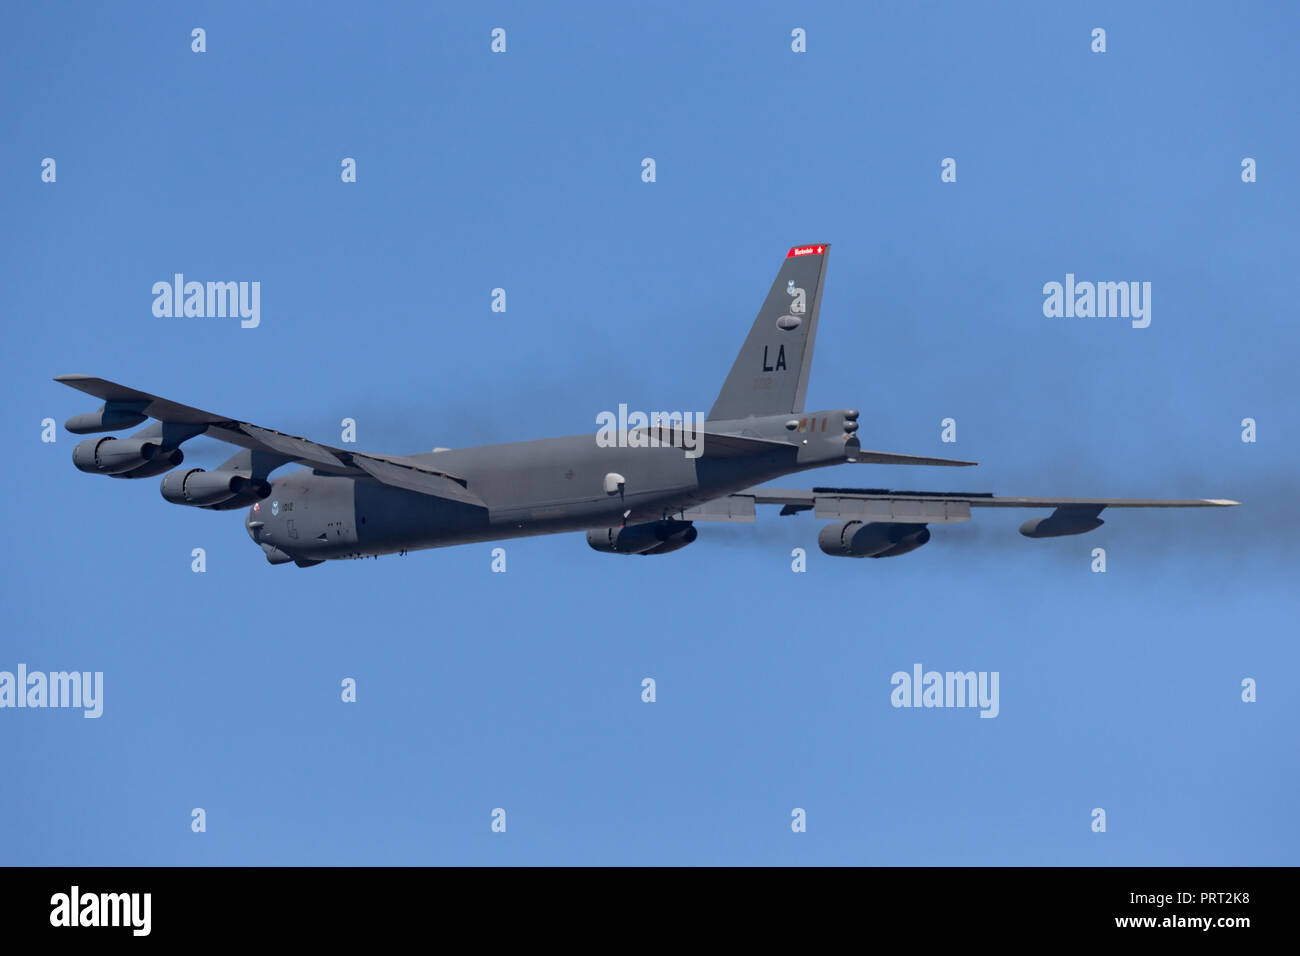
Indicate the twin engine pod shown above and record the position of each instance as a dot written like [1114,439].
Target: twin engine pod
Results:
[222,490]
[879,539]
[653,537]
[125,457]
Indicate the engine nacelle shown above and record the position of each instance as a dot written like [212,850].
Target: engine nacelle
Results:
[676,542]
[163,461]
[879,539]
[653,537]
[208,488]
[250,496]
[909,543]
[113,456]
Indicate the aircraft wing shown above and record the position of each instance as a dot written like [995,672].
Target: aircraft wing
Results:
[186,422]
[1069,515]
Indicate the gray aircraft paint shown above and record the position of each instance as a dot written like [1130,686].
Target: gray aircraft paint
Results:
[348,504]
[528,488]
[770,375]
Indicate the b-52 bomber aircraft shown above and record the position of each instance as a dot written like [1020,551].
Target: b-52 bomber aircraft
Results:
[638,491]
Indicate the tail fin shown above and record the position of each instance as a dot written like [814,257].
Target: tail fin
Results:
[770,375]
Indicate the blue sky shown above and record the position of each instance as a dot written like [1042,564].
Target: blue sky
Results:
[522,171]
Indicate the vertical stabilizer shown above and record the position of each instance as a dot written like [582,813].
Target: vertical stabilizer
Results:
[770,375]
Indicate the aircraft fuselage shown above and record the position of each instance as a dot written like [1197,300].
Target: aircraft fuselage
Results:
[548,486]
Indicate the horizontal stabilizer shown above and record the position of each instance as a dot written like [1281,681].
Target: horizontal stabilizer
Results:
[887,458]
[722,445]
[716,445]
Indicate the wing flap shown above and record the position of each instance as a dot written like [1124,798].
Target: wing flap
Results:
[719,445]
[892,509]
[730,508]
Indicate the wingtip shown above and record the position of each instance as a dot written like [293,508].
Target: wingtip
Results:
[1222,502]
